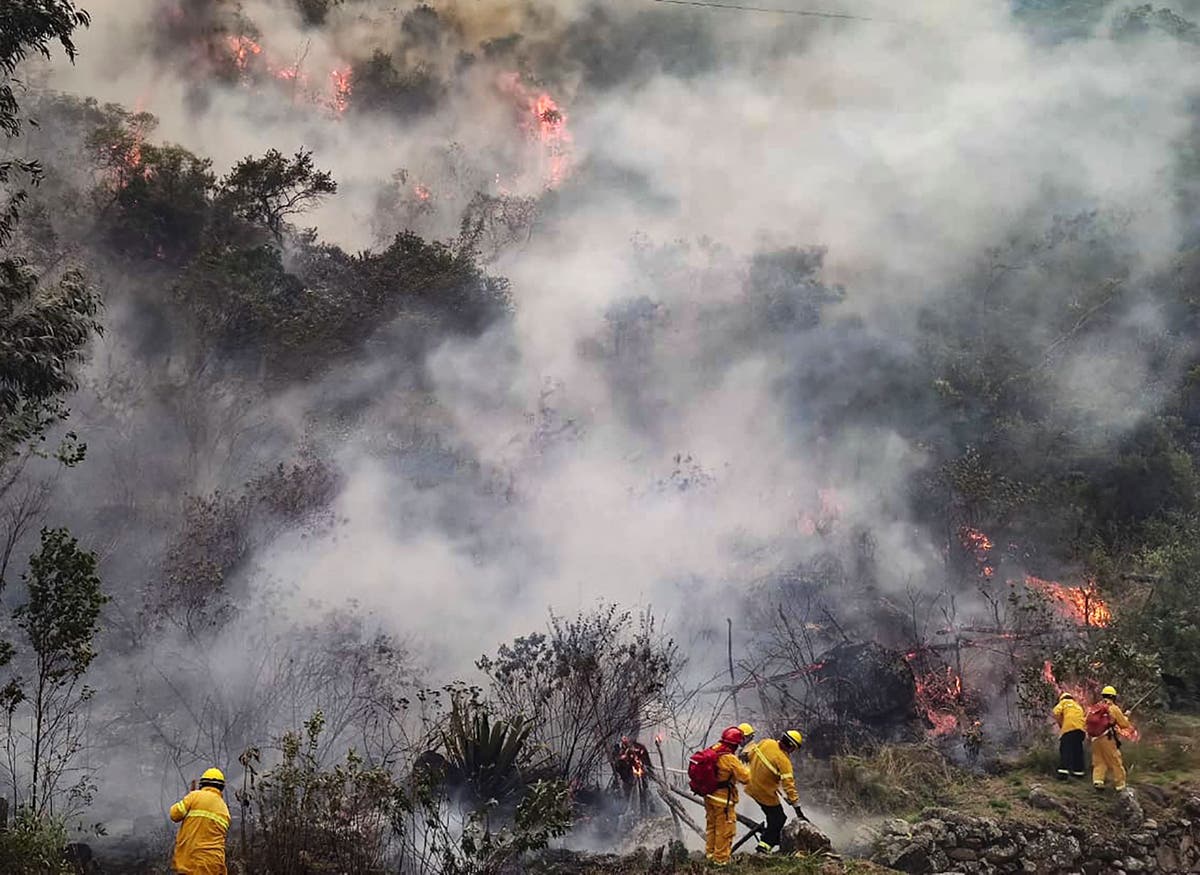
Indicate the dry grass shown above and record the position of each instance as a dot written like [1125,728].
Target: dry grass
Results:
[892,779]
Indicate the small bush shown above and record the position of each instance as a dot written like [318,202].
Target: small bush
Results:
[309,819]
[34,846]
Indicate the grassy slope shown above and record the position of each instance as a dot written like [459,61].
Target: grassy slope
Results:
[1164,767]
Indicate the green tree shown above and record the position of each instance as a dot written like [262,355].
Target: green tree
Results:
[267,190]
[42,334]
[60,621]
[156,200]
[43,329]
[27,27]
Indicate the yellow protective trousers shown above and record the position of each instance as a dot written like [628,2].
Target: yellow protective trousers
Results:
[1106,757]
[720,821]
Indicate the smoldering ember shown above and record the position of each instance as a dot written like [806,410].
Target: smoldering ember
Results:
[562,436]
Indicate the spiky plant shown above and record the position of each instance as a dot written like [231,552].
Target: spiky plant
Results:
[489,759]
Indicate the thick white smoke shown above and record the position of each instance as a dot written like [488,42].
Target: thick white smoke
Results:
[532,467]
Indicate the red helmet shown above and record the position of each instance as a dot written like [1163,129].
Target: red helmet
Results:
[732,736]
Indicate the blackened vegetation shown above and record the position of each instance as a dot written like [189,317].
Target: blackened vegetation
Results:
[247,281]
[380,86]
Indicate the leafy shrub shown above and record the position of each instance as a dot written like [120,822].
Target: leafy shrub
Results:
[34,846]
[308,820]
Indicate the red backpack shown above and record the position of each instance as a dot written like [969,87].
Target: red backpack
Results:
[702,771]
[1099,720]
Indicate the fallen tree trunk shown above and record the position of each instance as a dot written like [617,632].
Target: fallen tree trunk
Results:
[664,790]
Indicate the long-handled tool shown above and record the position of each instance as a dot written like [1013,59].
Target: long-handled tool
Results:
[662,761]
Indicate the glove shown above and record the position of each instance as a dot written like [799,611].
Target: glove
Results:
[799,813]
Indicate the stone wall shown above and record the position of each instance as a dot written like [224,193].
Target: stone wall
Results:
[945,841]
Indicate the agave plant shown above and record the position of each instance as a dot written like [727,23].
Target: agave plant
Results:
[488,759]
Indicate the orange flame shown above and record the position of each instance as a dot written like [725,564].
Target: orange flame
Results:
[545,122]
[1078,692]
[422,192]
[939,697]
[1082,604]
[243,49]
[980,546]
[341,88]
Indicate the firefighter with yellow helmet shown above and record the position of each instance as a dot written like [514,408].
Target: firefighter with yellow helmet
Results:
[770,773]
[203,819]
[1103,721]
[748,744]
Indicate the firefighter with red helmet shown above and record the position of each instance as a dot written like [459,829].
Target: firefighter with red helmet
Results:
[720,800]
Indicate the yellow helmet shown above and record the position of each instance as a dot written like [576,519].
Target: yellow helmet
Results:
[213,778]
[795,736]
[747,730]
[1109,691]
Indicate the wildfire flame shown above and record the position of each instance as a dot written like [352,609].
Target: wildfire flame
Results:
[1081,696]
[243,52]
[544,122]
[830,510]
[422,192]
[1082,604]
[980,546]
[1079,693]
[243,49]
[126,155]
[939,694]
[341,89]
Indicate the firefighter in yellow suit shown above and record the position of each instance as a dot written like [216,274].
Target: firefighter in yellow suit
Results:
[771,771]
[720,807]
[203,819]
[1072,722]
[1106,750]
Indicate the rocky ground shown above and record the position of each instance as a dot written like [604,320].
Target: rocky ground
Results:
[941,841]
[945,841]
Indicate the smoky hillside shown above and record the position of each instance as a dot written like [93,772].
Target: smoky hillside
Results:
[594,369]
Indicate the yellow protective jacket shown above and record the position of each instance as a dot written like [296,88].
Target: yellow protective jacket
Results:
[1069,716]
[770,767]
[730,771]
[203,819]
